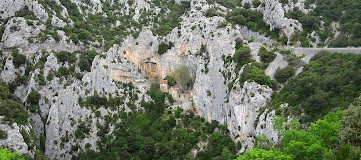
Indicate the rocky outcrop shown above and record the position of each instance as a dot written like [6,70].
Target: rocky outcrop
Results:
[14,139]
[17,33]
[274,15]
[9,7]
[242,111]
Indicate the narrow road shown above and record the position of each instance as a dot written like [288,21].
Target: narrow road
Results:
[300,51]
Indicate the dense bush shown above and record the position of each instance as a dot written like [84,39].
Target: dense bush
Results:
[252,19]
[86,60]
[266,56]
[182,76]
[153,133]
[310,23]
[163,47]
[19,59]
[242,55]
[339,41]
[282,75]
[84,64]
[82,131]
[216,146]
[328,82]
[351,124]
[13,111]
[64,56]
[346,12]
[62,72]
[6,154]
[296,13]
[253,73]
[72,11]
[3,134]
[26,13]
[256,3]
[171,81]
[318,141]
[211,12]
[33,101]
[11,107]
[33,98]
[97,100]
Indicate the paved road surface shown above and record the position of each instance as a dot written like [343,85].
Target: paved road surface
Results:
[300,51]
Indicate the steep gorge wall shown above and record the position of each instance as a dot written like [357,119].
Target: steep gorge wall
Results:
[241,113]
[135,58]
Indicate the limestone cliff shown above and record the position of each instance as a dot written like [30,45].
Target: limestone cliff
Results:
[200,43]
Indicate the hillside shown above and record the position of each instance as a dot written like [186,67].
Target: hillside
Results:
[180,79]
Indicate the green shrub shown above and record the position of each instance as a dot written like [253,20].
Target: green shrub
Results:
[296,13]
[62,72]
[242,55]
[50,76]
[310,23]
[13,111]
[82,131]
[64,56]
[250,18]
[26,13]
[84,64]
[163,47]
[351,124]
[182,76]
[266,56]
[3,134]
[86,60]
[247,5]
[171,81]
[18,59]
[33,98]
[253,73]
[72,11]
[329,81]
[256,3]
[239,43]
[282,75]
[6,154]
[211,12]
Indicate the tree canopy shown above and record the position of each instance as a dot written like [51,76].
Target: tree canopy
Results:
[182,76]
[6,154]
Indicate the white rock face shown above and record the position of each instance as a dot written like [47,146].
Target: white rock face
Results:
[9,7]
[274,15]
[17,32]
[64,112]
[14,139]
[9,72]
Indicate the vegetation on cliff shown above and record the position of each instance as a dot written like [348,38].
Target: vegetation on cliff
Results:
[334,137]
[157,132]
[330,81]
[11,107]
